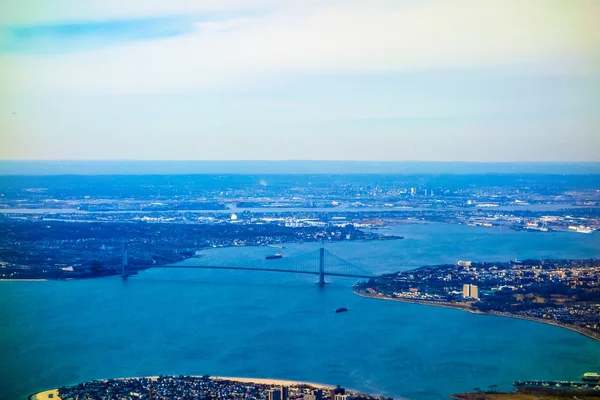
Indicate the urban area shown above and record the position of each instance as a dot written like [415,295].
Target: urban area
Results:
[199,387]
[170,218]
[560,292]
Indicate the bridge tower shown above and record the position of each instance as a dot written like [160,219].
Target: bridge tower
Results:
[124,263]
[322,266]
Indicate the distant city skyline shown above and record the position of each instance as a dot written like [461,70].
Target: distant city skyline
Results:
[462,80]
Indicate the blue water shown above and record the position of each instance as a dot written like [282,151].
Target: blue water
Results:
[283,326]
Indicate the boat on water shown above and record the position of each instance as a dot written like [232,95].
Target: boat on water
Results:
[274,256]
[341,309]
[591,377]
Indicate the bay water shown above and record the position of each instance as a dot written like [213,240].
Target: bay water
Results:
[264,324]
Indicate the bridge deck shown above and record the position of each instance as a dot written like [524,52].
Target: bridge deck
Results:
[235,268]
[264,269]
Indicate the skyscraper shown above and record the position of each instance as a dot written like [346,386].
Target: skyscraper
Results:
[474,291]
[465,291]
[470,291]
[284,392]
[274,394]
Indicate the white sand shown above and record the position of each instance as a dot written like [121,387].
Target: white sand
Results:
[264,381]
[45,395]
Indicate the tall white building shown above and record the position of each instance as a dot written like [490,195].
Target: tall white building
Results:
[466,291]
[474,292]
[470,291]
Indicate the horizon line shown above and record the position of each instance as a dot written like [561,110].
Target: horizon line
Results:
[291,167]
[307,160]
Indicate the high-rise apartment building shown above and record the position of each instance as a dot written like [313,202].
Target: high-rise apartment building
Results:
[466,291]
[470,291]
[274,394]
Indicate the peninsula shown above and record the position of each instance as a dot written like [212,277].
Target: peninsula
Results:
[201,387]
[565,293]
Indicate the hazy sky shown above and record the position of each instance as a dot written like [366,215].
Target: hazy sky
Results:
[470,80]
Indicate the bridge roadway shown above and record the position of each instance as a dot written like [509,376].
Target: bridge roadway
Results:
[290,271]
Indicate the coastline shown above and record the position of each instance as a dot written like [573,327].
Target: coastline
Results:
[581,331]
[269,381]
[23,280]
[45,395]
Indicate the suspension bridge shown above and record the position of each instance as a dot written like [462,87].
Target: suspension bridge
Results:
[319,262]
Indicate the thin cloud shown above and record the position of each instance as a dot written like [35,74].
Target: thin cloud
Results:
[68,37]
[44,12]
[334,37]
[388,80]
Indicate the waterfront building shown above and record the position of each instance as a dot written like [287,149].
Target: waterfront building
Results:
[314,395]
[337,391]
[474,291]
[284,392]
[465,291]
[274,394]
[470,291]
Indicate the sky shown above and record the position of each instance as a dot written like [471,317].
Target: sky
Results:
[381,80]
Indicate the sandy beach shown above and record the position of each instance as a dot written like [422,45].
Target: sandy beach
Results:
[262,381]
[45,395]
[266,381]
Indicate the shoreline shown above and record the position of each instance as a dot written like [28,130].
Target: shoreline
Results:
[45,394]
[270,381]
[581,331]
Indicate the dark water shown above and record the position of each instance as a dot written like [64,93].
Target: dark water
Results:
[283,326]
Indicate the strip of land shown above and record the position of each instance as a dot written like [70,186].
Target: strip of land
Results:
[555,395]
[22,280]
[268,381]
[54,395]
[564,293]
[45,395]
